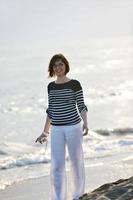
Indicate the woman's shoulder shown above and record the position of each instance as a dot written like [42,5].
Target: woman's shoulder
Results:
[75,81]
[50,85]
[76,85]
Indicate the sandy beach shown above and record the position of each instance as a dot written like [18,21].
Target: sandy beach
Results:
[39,188]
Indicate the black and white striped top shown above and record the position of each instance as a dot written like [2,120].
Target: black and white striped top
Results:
[65,103]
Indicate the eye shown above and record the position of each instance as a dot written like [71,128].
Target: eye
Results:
[59,64]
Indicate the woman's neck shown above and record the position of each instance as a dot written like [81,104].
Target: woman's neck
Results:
[62,79]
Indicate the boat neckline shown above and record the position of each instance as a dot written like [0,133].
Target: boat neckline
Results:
[63,83]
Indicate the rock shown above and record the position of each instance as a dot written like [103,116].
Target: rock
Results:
[119,190]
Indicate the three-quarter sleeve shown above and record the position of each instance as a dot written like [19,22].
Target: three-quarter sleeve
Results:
[80,98]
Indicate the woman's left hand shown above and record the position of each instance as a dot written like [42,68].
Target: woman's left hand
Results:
[85,129]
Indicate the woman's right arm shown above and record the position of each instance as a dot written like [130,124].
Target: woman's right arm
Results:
[47,125]
[43,137]
[45,133]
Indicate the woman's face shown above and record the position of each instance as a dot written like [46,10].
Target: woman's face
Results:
[59,68]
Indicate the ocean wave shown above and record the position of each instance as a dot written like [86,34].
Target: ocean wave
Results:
[99,143]
[23,161]
[105,143]
[18,155]
[2,152]
[116,131]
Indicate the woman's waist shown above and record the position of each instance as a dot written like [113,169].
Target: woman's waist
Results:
[65,114]
[66,123]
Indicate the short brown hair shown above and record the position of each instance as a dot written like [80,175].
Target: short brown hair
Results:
[56,58]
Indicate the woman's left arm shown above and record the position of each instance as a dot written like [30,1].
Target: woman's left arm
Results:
[82,107]
[85,122]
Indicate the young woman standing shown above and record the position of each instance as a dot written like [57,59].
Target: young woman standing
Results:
[65,110]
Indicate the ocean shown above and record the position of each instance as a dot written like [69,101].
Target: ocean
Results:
[105,70]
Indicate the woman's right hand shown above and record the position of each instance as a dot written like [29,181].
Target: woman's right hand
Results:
[42,138]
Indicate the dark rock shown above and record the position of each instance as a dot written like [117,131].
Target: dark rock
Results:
[116,192]
[119,190]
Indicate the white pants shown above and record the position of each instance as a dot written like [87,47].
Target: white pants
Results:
[71,136]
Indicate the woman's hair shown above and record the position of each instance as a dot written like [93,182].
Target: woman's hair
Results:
[54,59]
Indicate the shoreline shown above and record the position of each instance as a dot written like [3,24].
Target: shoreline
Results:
[39,188]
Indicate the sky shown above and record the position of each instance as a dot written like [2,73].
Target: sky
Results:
[64,21]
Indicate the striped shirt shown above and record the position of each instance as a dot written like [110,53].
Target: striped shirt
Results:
[65,103]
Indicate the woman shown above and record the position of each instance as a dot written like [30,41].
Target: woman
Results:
[65,110]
